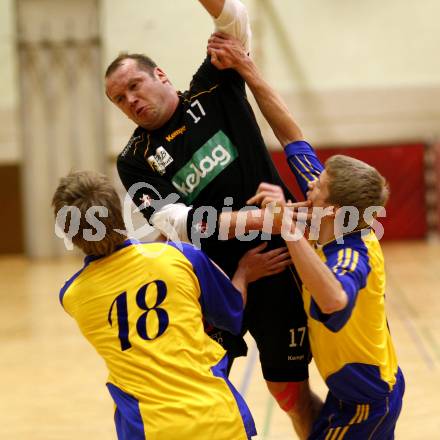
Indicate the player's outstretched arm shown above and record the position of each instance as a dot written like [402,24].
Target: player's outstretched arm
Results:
[214,7]
[325,289]
[230,17]
[226,52]
[267,219]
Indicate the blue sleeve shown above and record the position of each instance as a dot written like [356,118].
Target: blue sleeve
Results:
[222,303]
[351,268]
[304,163]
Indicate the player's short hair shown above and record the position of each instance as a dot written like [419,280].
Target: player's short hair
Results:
[353,182]
[143,62]
[83,190]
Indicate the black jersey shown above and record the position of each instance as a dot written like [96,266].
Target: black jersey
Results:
[210,150]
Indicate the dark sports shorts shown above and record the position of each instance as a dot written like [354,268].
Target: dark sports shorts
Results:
[274,316]
[277,321]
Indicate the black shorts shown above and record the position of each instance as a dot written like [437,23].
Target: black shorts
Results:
[235,345]
[276,319]
[274,315]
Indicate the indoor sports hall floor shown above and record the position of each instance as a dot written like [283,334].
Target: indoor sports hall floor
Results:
[52,382]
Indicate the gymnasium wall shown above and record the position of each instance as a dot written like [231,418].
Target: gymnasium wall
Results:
[9,149]
[360,76]
[10,153]
[354,72]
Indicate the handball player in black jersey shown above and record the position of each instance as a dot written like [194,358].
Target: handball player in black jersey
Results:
[192,163]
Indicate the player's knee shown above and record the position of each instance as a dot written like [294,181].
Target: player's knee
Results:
[287,394]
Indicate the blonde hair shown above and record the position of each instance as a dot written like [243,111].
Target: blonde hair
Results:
[83,190]
[355,183]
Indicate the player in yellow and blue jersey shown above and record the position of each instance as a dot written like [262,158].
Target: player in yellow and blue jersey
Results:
[343,277]
[142,306]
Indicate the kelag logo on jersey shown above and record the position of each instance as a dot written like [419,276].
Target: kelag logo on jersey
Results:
[206,164]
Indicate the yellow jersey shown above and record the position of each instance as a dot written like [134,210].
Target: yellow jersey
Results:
[352,348]
[142,308]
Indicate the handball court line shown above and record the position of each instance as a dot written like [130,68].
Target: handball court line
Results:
[247,374]
[244,387]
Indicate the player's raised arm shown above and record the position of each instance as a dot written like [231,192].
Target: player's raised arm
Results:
[230,17]
[227,52]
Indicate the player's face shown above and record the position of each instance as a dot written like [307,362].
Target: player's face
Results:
[143,97]
[318,192]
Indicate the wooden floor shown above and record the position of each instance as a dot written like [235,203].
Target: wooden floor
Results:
[52,382]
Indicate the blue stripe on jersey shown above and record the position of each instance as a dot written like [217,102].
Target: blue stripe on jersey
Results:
[349,262]
[222,304]
[304,163]
[68,283]
[128,420]
[220,370]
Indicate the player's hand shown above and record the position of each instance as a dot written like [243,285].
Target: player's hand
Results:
[291,215]
[268,193]
[257,264]
[271,198]
[226,51]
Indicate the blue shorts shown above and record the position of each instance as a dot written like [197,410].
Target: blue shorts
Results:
[350,421]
